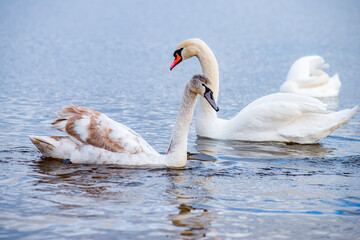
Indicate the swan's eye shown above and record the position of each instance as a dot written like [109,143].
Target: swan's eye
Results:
[178,52]
[206,88]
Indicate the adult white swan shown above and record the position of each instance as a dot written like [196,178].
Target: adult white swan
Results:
[281,117]
[96,139]
[306,77]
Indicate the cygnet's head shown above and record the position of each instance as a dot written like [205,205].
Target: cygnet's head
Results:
[199,85]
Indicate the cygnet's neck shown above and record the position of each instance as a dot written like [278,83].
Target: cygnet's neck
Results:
[176,155]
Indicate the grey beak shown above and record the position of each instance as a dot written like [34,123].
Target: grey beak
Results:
[210,98]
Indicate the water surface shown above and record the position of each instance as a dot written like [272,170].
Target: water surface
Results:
[114,57]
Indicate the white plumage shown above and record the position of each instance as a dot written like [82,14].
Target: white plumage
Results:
[307,77]
[284,117]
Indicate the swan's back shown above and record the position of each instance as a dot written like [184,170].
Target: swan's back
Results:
[286,117]
[89,127]
[272,112]
[307,77]
[95,138]
[305,66]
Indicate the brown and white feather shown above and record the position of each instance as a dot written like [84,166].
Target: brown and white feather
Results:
[89,127]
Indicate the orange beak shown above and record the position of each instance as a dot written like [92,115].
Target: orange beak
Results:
[177,60]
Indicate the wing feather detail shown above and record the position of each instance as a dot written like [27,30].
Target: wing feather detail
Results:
[277,110]
[90,127]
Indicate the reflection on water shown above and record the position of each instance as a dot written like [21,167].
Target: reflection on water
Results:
[259,149]
[212,197]
[77,190]
[101,55]
[193,221]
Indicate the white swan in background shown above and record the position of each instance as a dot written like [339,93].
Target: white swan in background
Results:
[96,139]
[306,77]
[283,117]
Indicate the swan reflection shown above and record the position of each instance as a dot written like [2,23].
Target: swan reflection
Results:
[191,195]
[214,147]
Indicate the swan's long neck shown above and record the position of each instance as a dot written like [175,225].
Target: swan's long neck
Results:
[177,152]
[210,69]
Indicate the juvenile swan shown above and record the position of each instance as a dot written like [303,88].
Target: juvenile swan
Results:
[306,77]
[96,139]
[283,117]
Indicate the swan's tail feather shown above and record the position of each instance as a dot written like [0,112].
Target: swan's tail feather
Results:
[321,126]
[345,115]
[54,146]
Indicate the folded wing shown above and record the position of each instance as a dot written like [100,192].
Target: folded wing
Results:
[89,127]
[289,117]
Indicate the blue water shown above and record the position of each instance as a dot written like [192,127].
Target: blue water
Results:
[114,56]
